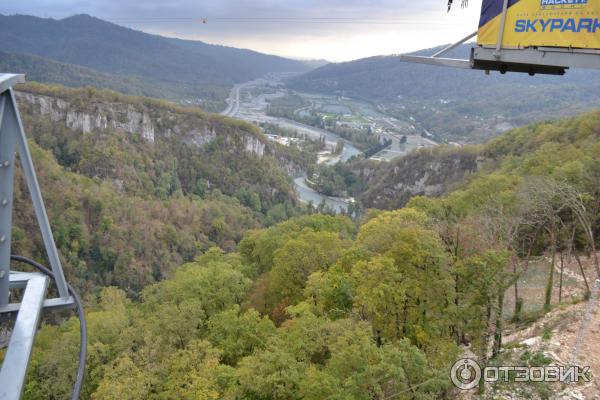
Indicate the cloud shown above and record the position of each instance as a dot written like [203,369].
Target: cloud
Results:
[331,29]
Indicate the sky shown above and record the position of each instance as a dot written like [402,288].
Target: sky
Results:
[334,30]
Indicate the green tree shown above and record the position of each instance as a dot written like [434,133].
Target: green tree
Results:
[239,333]
[408,292]
[297,259]
[380,233]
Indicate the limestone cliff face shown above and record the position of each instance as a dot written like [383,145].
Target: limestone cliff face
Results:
[424,173]
[149,123]
[123,118]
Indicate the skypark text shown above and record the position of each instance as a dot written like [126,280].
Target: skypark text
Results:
[589,25]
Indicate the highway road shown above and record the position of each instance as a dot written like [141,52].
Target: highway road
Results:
[233,102]
[253,110]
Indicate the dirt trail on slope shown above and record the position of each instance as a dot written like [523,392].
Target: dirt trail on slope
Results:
[555,334]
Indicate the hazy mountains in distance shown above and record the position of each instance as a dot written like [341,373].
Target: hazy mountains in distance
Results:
[386,78]
[454,104]
[181,68]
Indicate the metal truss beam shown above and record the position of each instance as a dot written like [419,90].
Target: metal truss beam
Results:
[12,136]
[20,346]
[437,61]
[28,311]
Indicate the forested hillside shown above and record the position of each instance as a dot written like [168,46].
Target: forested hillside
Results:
[150,65]
[39,69]
[427,172]
[320,307]
[136,187]
[569,143]
[454,104]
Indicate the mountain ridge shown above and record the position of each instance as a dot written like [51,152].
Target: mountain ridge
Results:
[456,105]
[187,70]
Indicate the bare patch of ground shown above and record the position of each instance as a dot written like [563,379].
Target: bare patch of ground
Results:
[550,338]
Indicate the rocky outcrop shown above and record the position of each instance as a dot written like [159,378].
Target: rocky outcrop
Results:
[159,124]
[254,146]
[431,172]
[149,123]
[120,117]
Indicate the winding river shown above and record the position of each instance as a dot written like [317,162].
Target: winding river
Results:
[307,195]
[254,111]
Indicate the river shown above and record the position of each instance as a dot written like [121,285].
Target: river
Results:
[307,195]
[255,111]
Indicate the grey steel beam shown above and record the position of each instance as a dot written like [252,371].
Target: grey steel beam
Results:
[8,134]
[453,46]
[544,56]
[502,26]
[9,80]
[20,346]
[59,304]
[2,104]
[437,61]
[36,197]
[28,312]
[18,280]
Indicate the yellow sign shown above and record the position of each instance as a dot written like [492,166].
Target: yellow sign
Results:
[548,23]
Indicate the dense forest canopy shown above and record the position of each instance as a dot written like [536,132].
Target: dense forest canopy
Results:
[46,70]
[125,210]
[313,306]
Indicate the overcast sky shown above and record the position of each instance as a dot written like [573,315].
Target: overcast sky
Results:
[336,30]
